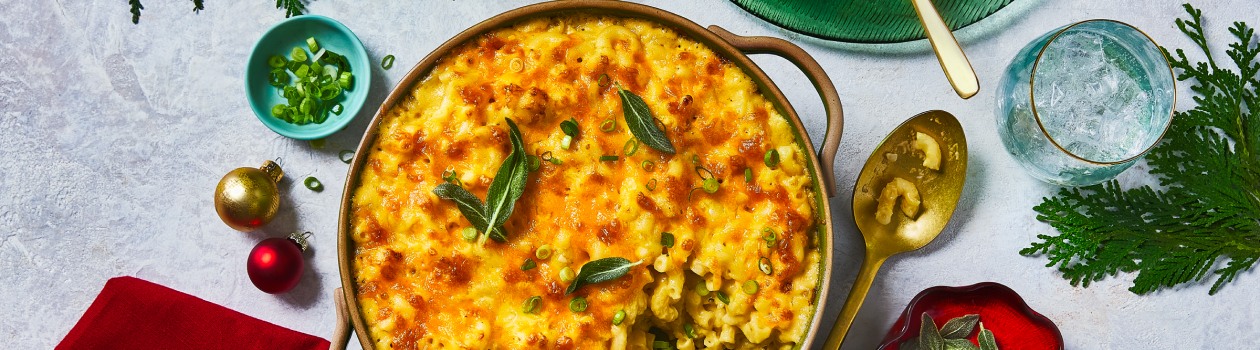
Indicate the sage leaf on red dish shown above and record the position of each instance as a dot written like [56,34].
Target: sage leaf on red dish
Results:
[929,337]
[987,341]
[602,270]
[641,123]
[960,327]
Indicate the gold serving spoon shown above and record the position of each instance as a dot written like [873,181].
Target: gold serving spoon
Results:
[897,157]
[953,61]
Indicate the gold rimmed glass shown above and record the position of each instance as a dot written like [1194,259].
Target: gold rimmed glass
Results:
[1082,103]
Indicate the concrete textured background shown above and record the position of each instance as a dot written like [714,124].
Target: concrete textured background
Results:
[114,136]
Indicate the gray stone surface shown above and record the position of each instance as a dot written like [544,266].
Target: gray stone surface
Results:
[114,136]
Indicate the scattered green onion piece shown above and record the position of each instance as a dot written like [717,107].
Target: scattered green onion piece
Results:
[278,111]
[531,305]
[336,109]
[528,265]
[346,80]
[346,156]
[556,161]
[387,62]
[450,177]
[648,165]
[631,146]
[566,142]
[566,274]
[578,304]
[608,158]
[533,162]
[769,236]
[619,317]
[548,157]
[772,158]
[750,287]
[722,297]
[313,184]
[298,54]
[710,185]
[603,80]
[702,290]
[763,264]
[469,234]
[277,61]
[543,252]
[689,330]
[608,125]
[695,160]
[569,127]
[661,345]
[748,175]
[311,44]
[318,143]
[667,239]
[651,185]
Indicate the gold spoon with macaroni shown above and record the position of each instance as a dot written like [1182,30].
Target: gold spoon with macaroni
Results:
[898,174]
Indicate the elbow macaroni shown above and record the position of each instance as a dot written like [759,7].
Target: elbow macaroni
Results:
[420,285]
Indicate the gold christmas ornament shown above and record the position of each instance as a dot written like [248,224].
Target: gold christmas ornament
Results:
[248,198]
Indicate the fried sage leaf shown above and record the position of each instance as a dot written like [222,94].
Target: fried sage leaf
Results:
[469,204]
[929,337]
[960,327]
[601,270]
[987,341]
[508,183]
[641,123]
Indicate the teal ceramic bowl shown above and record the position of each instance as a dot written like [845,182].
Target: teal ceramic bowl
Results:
[280,40]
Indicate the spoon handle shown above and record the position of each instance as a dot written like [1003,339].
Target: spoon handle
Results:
[862,285]
[957,68]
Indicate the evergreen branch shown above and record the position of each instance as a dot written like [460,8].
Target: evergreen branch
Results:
[198,6]
[1206,217]
[135,10]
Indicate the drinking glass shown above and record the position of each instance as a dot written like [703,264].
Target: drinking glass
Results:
[1082,103]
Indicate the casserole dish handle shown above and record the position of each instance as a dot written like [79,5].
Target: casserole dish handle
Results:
[818,77]
[341,333]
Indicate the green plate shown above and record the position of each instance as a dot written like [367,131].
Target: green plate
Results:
[865,21]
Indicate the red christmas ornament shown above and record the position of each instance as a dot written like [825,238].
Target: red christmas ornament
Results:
[275,265]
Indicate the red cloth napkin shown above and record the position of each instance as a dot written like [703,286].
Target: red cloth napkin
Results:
[132,313]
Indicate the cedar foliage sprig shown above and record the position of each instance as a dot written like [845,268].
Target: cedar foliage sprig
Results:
[1206,216]
[291,8]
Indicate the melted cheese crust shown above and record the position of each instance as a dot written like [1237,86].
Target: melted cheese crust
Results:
[420,285]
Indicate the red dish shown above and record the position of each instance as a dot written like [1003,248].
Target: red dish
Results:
[1015,326]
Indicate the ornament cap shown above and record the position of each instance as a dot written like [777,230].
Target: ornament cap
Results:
[301,239]
[273,170]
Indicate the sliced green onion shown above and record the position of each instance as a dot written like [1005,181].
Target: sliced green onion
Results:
[566,274]
[387,62]
[469,234]
[763,264]
[566,142]
[548,157]
[619,317]
[651,185]
[533,162]
[569,127]
[648,165]
[316,69]
[279,78]
[689,330]
[772,158]
[748,175]
[318,143]
[346,156]
[298,54]
[313,184]
[722,297]
[311,44]
[578,304]
[608,125]
[710,185]
[695,160]
[750,287]
[702,290]
[667,239]
[556,161]
[608,158]
[631,146]
[661,345]
[277,61]
[769,236]
[302,72]
[336,109]
[278,110]
[543,252]
[346,80]
[531,305]
[528,265]
[603,80]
